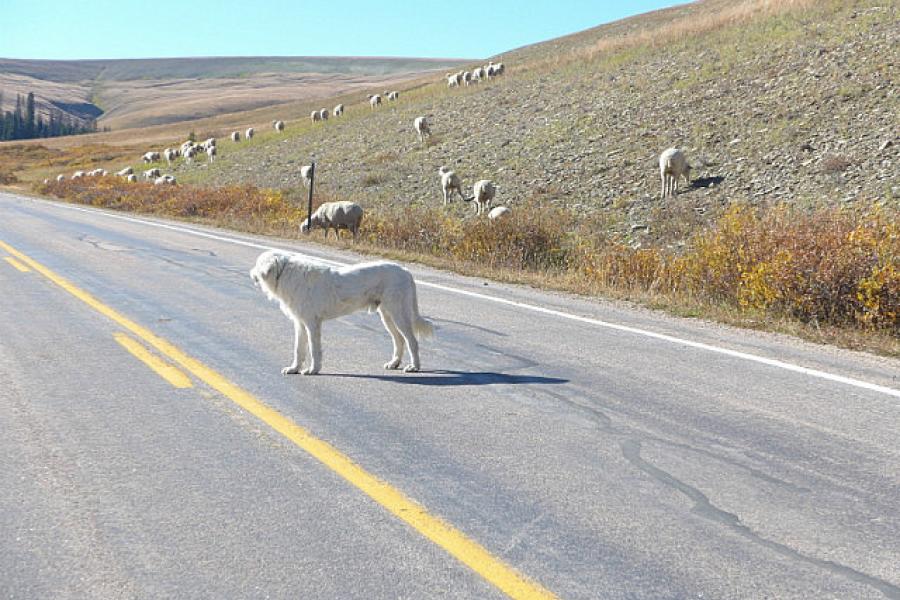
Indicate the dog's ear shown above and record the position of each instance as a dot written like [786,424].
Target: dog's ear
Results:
[266,265]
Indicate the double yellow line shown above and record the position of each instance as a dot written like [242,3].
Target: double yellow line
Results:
[456,543]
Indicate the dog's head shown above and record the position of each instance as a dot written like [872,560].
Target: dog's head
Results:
[268,268]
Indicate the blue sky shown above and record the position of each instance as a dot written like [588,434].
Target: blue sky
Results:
[73,29]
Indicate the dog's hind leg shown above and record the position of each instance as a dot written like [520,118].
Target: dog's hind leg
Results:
[404,324]
[314,334]
[396,338]
[299,349]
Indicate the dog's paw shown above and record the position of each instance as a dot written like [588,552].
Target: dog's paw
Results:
[309,371]
[411,369]
[290,370]
[393,364]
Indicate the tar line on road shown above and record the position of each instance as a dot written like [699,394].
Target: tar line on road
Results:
[453,541]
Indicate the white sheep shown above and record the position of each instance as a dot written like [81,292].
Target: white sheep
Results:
[124,172]
[453,79]
[151,173]
[170,155]
[211,142]
[374,100]
[477,75]
[249,133]
[151,157]
[393,95]
[484,192]
[164,180]
[235,136]
[499,212]
[60,177]
[315,116]
[499,68]
[77,174]
[132,178]
[338,110]
[323,114]
[337,215]
[673,165]
[467,77]
[211,153]
[306,174]
[449,182]
[190,152]
[278,125]
[421,126]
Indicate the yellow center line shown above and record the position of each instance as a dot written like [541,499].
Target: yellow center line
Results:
[456,543]
[16,264]
[171,374]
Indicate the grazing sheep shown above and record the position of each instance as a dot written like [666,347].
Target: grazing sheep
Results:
[151,157]
[164,180]
[278,125]
[337,215]
[170,155]
[306,174]
[450,182]
[323,114]
[421,126]
[338,110]
[97,173]
[315,116]
[249,133]
[499,212]
[374,101]
[477,75]
[484,192]
[190,153]
[211,153]
[77,174]
[151,174]
[467,77]
[235,136]
[499,68]
[132,178]
[125,171]
[453,79]
[392,95]
[210,142]
[60,177]
[673,165]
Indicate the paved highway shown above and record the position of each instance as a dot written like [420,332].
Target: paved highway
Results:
[553,446]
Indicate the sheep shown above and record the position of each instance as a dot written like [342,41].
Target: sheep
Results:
[132,178]
[338,110]
[97,173]
[249,133]
[151,173]
[453,79]
[151,157]
[450,182]
[499,212]
[60,177]
[235,136]
[498,68]
[165,180]
[306,174]
[337,215]
[211,153]
[374,100]
[392,95]
[673,165]
[315,116]
[477,75]
[467,77]
[484,192]
[124,172]
[421,126]
[210,142]
[77,174]
[190,153]
[323,114]
[170,155]
[278,125]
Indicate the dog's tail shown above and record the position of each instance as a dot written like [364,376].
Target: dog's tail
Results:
[422,327]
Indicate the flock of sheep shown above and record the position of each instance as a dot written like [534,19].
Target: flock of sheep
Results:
[673,164]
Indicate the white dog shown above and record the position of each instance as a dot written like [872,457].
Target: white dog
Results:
[310,293]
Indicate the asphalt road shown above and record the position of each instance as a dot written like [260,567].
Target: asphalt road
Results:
[592,449]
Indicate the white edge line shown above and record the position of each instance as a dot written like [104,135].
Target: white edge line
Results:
[532,307]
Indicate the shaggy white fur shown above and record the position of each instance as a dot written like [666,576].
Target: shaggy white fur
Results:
[310,293]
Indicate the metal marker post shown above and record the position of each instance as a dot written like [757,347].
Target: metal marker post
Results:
[312,179]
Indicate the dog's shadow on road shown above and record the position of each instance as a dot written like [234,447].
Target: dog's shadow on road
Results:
[457,378]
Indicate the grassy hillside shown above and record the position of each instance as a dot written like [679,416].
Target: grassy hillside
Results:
[787,109]
[145,92]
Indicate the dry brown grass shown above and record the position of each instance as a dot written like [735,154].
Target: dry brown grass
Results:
[833,268]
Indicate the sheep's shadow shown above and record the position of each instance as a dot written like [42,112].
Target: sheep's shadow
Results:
[458,378]
[705,182]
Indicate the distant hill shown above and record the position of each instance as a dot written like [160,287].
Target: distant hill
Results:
[141,92]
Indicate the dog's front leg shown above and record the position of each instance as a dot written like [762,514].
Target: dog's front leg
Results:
[299,349]
[314,333]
